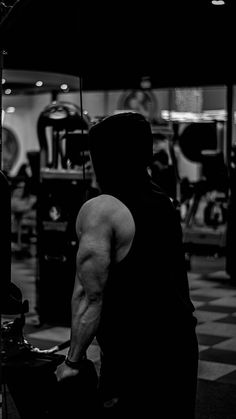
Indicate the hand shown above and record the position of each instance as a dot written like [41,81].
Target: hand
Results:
[63,372]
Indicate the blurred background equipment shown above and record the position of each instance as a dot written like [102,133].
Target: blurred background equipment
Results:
[204,201]
[64,184]
[67,142]
[10,149]
[231,225]
[163,167]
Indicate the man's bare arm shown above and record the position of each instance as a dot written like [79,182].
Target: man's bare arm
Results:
[93,260]
[102,223]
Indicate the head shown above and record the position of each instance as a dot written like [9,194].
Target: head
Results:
[121,148]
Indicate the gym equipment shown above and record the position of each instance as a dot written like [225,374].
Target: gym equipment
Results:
[10,295]
[203,143]
[64,185]
[67,124]
[14,343]
[28,374]
[5,228]
[230,265]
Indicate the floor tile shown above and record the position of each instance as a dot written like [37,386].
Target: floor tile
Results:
[229,378]
[230,318]
[217,308]
[227,344]
[201,297]
[93,353]
[198,304]
[202,347]
[63,352]
[219,355]
[197,282]
[60,334]
[218,329]
[225,301]
[214,370]
[206,316]
[209,340]
[213,292]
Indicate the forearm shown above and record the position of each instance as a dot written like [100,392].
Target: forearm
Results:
[85,321]
[92,266]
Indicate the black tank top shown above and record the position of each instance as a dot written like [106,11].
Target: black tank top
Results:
[147,292]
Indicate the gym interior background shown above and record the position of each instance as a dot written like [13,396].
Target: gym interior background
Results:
[45,158]
[190,152]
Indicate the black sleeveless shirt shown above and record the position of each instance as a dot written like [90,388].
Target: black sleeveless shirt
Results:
[147,293]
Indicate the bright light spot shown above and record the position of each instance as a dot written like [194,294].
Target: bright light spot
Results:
[39,83]
[218,2]
[7,91]
[64,86]
[145,84]
[3,81]
[10,109]
[3,114]
[210,115]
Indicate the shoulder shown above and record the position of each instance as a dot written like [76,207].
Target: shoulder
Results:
[104,211]
[99,208]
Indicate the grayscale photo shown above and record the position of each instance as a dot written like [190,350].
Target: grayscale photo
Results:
[117,210]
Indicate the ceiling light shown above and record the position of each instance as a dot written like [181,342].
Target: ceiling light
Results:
[3,81]
[218,2]
[64,86]
[39,83]
[7,91]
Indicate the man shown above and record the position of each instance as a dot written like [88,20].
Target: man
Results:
[131,288]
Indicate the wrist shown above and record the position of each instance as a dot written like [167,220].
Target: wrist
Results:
[73,364]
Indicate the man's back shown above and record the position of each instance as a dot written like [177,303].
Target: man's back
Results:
[147,325]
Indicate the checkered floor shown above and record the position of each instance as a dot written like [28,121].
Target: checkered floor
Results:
[215,302]
[214,298]
[215,305]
